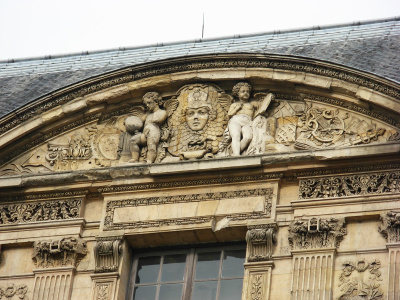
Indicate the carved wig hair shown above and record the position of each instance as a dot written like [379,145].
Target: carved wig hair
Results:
[153,96]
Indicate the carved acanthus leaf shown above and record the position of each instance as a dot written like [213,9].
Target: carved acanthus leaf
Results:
[67,251]
[107,252]
[390,228]
[260,240]
[316,233]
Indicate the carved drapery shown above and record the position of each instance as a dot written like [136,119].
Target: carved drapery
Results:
[67,251]
[316,233]
[390,228]
[260,240]
[40,211]
[107,252]
[350,185]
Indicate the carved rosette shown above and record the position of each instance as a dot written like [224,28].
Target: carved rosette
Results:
[67,251]
[360,280]
[316,233]
[260,240]
[390,228]
[107,252]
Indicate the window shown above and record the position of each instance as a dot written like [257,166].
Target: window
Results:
[195,274]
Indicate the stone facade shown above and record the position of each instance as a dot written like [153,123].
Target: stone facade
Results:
[296,162]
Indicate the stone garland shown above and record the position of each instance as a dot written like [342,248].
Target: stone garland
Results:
[203,63]
[112,205]
[350,185]
[362,284]
[40,211]
[316,233]
[11,290]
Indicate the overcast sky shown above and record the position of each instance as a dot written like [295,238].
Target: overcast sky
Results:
[32,28]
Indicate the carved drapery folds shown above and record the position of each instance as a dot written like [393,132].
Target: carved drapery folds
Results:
[67,251]
[316,233]
[107,252]
[12,290]
[390,228]
[260,240]
[360,280]
[350,185]
[40,211]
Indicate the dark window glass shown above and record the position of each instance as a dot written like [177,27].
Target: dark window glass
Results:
[148,269]
[173,268]
[208,265]
[145,292]
[170,291]
[232,265]
[231,289]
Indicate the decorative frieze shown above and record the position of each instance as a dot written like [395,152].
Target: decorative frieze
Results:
[390,228]
[12,290]
[40,211]
[350,185]
[264,196]
[316,233]
[67,251]
[260,240]
[107,252]
[361,280]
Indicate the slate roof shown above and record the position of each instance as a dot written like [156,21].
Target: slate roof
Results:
[368,46]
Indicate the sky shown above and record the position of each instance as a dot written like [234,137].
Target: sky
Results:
[38,28]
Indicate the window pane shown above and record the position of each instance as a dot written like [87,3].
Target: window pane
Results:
[145,292]
[205,290]
[148,269]
[173,268]
[208,265]
[170,292]
[232,265]
[231,289]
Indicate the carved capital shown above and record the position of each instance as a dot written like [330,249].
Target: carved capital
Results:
[107,252]
[316,233]
[260,240]
[67,251]
[390,228]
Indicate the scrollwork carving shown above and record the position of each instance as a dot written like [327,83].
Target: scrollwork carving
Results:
[316,233]
[364,284]
[260,240]
[349,185]
[67,251]
[107,252]
[40,211]
[390,228]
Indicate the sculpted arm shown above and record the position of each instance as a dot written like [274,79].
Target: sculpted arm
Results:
[233,109]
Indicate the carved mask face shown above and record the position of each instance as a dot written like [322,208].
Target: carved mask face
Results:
[244,93]
[197,118]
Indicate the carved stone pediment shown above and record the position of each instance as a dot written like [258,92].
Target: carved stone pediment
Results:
[316,233]
[202,121]
[67,251]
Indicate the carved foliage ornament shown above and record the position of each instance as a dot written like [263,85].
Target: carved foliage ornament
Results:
[360,280]
[390,228]
[260,240]
[107,252]
[11,290]
[67,251]
[316,233]
[350,185]
[40,211]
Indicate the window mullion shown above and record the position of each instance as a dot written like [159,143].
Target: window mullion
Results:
[221,258]
[159,277]
[189,277]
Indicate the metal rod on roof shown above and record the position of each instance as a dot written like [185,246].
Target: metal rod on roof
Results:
[202,29]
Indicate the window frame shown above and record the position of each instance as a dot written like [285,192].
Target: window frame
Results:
[191,252]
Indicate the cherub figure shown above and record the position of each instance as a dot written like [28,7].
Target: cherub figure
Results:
[242,113]
[151,134]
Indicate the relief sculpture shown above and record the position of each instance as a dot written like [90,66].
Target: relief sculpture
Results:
[202,121]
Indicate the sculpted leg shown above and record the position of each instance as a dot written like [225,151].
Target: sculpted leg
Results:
[247,133]
[235,132]
[134,147]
